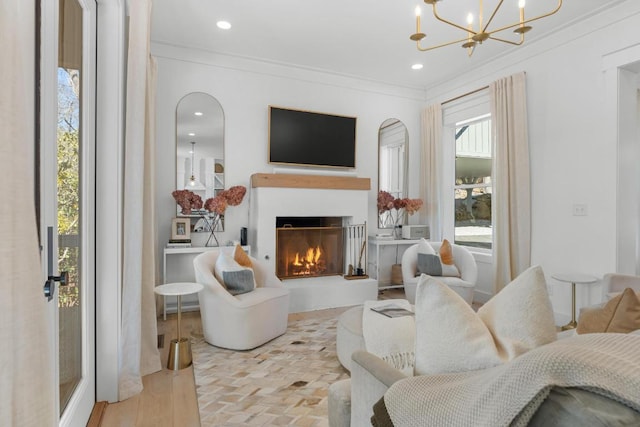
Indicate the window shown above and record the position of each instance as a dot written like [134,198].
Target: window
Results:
[466,169]
[472,186]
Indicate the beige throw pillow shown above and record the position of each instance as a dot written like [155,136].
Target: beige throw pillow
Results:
[451,337]
[621,314]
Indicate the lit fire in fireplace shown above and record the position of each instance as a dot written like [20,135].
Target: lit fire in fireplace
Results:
[310,263]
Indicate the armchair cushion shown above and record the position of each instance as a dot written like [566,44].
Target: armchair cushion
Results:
[621,314]
[234,277]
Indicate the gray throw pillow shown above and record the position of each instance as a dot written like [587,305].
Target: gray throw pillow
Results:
[432,265]
[238,281]
[429,264]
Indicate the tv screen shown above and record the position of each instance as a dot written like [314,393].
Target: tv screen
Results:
[312,139]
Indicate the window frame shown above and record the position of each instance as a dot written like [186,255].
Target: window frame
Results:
[463,109]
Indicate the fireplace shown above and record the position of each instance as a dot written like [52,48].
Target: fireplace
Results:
[307,196]
[309,247]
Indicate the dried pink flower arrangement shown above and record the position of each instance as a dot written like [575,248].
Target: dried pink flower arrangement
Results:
[231,197]
[386,202]
[393,208]
[218,205]
[187,200]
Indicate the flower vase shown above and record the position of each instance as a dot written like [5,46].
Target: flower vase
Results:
[209,243]
[397,231]
[397,224]
[215,220]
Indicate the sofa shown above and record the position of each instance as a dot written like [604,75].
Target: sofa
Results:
[581,379]
[372,378]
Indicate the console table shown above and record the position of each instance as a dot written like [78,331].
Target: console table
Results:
[178,267]
[383,253]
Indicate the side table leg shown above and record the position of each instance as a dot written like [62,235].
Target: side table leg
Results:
[573,324]
[180,350]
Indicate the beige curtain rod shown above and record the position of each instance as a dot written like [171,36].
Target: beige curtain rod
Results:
[465,94]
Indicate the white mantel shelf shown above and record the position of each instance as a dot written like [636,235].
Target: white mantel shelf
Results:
[285,180]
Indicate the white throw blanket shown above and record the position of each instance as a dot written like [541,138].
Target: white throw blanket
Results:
[509,394]
[391,339]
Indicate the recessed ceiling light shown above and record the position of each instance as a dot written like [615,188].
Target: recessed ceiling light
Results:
[192,134]
[416,67]
[198,113]
[223,25]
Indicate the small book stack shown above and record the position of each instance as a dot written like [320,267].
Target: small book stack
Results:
[392,310]
[384,236]
[183,243]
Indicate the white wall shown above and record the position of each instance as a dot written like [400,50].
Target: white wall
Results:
[572,138]
[573,143]
[245,88]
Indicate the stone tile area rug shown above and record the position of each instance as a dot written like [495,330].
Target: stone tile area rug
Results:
[284,382]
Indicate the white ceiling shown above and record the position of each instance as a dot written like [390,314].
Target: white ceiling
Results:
[365,39]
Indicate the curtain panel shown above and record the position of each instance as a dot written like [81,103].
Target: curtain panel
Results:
[431,171]
[512,189]
[138,354]
[28,385]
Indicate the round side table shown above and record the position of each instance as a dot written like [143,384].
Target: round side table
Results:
[573,278]
[180,349]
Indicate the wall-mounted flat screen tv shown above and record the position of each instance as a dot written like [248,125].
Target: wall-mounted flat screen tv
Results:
[311,139]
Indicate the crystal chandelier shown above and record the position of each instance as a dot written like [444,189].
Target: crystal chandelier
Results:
[477,35]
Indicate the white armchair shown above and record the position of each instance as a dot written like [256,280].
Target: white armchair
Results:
[462,258]
[614,283]
[244,321]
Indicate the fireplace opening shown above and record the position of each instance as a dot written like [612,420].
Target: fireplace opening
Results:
[309,247]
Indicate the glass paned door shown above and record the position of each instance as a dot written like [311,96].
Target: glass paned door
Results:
[69,219]
[69,214]
[66,98]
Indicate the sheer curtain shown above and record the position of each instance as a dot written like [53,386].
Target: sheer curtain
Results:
[27,386]
[138,352]
[431,171]
[512,194]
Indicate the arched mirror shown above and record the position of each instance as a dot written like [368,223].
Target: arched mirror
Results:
[200,148]
[393,155]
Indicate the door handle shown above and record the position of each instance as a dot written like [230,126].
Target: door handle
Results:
[63,278]
[50,284]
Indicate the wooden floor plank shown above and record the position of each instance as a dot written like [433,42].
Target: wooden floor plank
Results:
[156,402]
[96,414]
[185,399]
[121,414]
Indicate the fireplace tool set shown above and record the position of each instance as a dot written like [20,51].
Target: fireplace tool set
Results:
[356,250]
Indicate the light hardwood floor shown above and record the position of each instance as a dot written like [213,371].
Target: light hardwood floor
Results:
[169,397]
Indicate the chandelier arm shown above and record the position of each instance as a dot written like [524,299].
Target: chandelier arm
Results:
[424,49]
[484,30]
[526,21]
[509,41]
[453,24]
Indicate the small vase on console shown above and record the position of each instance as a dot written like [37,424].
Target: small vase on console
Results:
[393,211]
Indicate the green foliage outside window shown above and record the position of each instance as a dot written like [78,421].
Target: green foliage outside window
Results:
[68,185]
